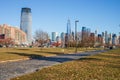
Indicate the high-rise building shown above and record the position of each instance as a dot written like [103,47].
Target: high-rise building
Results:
[26,23]
[96,32]
[103,34]
[103,37]
[54,36]
[68,27]
[63,39]
[114,39]
[58,39]
[110,38]
[84,33]
[99,39]
[62,36]
[88,32]
[106,37]
[69,34]
[96,36]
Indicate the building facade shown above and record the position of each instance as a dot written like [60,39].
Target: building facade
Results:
[114,39]
[62,36]
[54,36]
[84,33]
[106,37]
[26,23]
[69,33]
[68,27]
[17,35]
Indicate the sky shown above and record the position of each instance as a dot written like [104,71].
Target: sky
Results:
[52,15]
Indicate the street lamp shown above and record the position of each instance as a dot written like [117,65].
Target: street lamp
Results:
[119,35]
[76,35]
[119,32]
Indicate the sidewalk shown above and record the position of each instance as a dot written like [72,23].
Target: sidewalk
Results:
[12,69]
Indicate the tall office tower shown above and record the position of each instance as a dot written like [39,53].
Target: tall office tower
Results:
[103,34]
[26,23]
[99,39]
[88,32]
[106,37]
[96,36]
[58,39]
[63,39]
[96,33]
[54,36]
[103,37]
[62,36]
[110,38]
[69,34]
[68,27]
[114,39]
[84,33]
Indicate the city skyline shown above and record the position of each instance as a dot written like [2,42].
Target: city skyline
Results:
[52,16]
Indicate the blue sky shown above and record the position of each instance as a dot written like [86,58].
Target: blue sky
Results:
[52,15]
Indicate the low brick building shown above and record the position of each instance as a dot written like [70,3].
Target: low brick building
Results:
[7,31]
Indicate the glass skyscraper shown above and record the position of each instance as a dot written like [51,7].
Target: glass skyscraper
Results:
[68,27]
[84,32]
[69,35]
[54,36]
[26,23]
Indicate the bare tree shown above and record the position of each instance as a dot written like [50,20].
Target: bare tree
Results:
[7,42]
[41,37]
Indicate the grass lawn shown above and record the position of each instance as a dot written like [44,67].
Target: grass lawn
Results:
[21,53]
[104,66]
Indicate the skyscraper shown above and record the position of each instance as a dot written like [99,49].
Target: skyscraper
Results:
[88,32]
[26,23]
[106,37]
[110,38]
[69,34]
[68,27]
[84,33]
[54,36]
[62,36]
[63,39]
[114,39]
[96,32]
[103,37]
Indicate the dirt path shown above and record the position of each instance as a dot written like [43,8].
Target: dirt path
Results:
[12,69]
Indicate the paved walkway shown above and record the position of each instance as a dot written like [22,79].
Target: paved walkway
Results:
[12,69]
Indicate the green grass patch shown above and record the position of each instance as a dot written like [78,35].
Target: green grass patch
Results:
[104,66]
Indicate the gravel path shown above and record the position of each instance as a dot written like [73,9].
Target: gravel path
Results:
[12,69]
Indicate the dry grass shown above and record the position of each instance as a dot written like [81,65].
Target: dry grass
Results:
[105,66]
[21,53]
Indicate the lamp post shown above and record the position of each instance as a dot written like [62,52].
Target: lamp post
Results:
[76,35]
[119,27]
[119,34]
